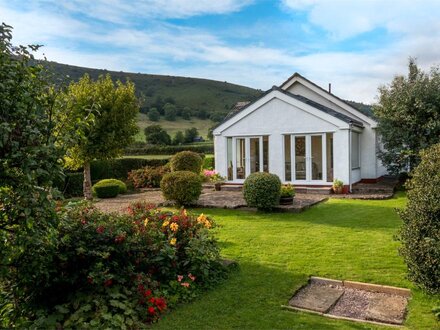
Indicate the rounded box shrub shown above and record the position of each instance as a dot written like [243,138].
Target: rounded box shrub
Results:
[183,187]
[186,161]
[262,190]
[420,232]
[122,186]
[108,190]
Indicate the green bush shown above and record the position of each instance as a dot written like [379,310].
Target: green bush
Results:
[122,186]
[186,161]
[108,190]
[420,232]
[183,187]
[147,177]
[208,163]
[262,190]
[141,149]
[72,185]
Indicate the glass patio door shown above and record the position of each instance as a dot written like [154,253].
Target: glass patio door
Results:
[251,155]
[306,158]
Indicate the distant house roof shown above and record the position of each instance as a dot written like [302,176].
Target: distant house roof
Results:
[243,105]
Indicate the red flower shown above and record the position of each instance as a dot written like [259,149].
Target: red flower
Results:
[152,300]
[175,218]
[151,310]
[141,288]
[108,282]
[90,280]
[161,304]
[147,293]
[119,238]
[100,229]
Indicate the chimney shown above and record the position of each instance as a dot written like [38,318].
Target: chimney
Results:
[330,87]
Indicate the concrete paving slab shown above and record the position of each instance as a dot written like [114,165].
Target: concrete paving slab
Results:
[319,298]
[387,308]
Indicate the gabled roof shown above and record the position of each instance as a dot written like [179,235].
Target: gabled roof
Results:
[300,98]
[324,92]
[236,108]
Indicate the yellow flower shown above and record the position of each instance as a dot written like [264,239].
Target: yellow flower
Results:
[173,241]
[174,226]
[207,224]
[201,218]
[184,213]
[146,222]
[166,223]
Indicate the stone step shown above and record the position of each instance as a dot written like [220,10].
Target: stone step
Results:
[232,187]
[313,190]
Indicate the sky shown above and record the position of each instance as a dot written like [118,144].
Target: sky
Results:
[354,45]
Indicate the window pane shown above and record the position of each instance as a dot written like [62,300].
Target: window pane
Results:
[255,154]
[355,158]
[241,159]
[265,154]
[287,162]
[317,157]
[329,137]
[229,158]
[300,157]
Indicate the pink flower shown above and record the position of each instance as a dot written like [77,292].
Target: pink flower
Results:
[192,277]
[185,284]
[179,278]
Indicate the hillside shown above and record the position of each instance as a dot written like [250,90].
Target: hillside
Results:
[205,98]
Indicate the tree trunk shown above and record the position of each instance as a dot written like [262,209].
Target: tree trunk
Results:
[87,184]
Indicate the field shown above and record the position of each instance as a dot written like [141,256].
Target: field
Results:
[341,239]
[172,127]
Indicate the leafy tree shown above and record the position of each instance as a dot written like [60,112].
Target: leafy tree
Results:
[186,113]
[190,134]
[29,165]
[179,138]
[210,133]
[420,232]
[153,114]
[202,114]
[216,117]
[170,112]
[111,112]
[158,104]
[170,100]
[155,134]
[409,117]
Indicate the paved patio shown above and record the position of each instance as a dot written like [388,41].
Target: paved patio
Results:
[208,199]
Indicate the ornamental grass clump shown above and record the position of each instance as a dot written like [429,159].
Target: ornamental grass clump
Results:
[262,190]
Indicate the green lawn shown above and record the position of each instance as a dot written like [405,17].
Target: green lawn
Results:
[172,127]
[341,239]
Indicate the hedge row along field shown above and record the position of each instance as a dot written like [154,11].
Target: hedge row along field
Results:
[140,149]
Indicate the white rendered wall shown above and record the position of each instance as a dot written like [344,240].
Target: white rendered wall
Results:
[341,161]
[220,155]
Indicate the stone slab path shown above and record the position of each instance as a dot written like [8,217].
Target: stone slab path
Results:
[353,300]
[208,199]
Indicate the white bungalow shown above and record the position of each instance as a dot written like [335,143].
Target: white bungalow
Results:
[302,133]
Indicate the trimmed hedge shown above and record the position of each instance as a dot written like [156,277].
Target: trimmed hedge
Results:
[186,161]
[122,186]
[183,187]
[169,150]
[119,168]
[262,190]
[108,190]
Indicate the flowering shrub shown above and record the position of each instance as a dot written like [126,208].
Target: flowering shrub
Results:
[212,176]
[110,271]
[147,177]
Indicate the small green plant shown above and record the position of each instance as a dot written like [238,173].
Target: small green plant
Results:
[337,186]
[436,311]
[287,190]
[262,190]
[108,190]
[122,186]
[183,187]
[186,161]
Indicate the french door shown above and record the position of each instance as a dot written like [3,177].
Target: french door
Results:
[250,155]
[306,158]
